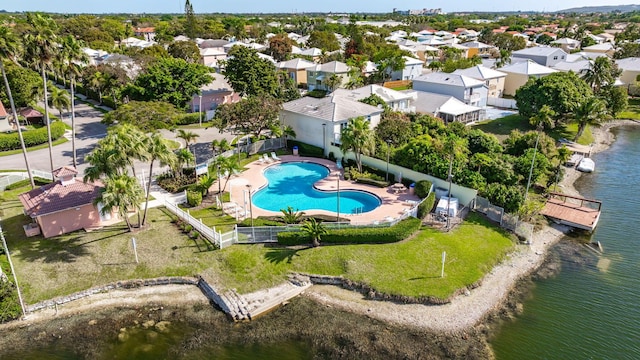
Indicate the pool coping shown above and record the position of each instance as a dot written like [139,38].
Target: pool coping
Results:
[392,205]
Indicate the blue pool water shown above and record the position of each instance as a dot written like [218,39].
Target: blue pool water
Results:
[291,184]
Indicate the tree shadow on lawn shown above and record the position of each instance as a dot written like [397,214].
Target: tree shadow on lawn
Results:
[280,254]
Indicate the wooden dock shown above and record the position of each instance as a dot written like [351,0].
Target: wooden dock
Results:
[573,211]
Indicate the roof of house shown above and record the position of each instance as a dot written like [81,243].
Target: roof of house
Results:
[480,72]
[629,64]
[311,52]
[449,79]
[575,66]
[412,61]
[428,102]
[30,113]
[211,52]
[219,84]
[528,67]
[607,46]
[386,94]
[145,30]
[3,112]
[330,108]
[56,197]
[476,44]
[537,51]
[212,43]
[296,63]
[64,172]
[566,41]
[335,67]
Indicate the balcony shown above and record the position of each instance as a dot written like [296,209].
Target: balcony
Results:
[471,98]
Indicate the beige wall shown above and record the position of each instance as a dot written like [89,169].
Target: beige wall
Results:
[70,220]
[496,87]
[629,77]
[464,194]
[513,82]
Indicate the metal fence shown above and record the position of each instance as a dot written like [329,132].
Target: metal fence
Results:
[508,221]
[485,207]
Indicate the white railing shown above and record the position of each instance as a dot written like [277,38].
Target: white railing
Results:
[216,237]
[42,174]
[502,103]
[11,179]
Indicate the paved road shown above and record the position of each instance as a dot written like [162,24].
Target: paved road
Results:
[88,131]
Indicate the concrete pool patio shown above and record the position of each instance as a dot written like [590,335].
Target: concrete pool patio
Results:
[393,205]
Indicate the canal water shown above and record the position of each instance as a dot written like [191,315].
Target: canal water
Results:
[591,308]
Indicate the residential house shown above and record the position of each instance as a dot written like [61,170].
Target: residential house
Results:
[309,117]
[579,67]
[217,44]
[313,53]
[493,79]
[519,73]
[296,69]
[135,42]
[543,55]
[212,56]
[606,37]
[147,33]
[446,107]
[412,69]
[396,100]
[31,115]
[317,76]
[630,70]
[478,48]
[606,48]
[4,119]
[567,44]
[216,93]
[470,91]
[64,206]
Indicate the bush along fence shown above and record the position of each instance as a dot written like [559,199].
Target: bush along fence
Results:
[31,137]
[218,239]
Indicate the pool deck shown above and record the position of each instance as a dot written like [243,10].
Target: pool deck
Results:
[393,205]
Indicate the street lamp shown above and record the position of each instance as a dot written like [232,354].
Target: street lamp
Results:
[324,139]
[250,204]
[449,178]
[338,202]
[388,150]
[219,180]
[200,110]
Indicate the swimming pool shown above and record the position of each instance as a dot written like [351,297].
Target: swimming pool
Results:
[291,184]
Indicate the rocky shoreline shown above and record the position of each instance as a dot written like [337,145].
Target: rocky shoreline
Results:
[470,314]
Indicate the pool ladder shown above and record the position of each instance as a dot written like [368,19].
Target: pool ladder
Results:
[358,210]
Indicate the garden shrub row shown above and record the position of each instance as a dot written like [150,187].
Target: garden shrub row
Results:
[426,206]
[189,118]
[378,183]
[356,235]
[31,137]
[306,149]
[422,188]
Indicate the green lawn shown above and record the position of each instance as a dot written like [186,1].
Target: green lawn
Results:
[633,110]
[502,127]
[214,217]
[52,267]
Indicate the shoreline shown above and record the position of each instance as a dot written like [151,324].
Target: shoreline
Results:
[465,311]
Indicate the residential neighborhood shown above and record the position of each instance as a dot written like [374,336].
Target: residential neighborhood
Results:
[406,167]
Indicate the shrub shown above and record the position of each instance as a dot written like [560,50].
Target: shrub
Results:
[378,183]
[32,137]
[426,206]
[331,156]
[422,188]
[356,235]
[194,198]
[317,93]
[174,184]
[260,221]
[306,149]
[186,119]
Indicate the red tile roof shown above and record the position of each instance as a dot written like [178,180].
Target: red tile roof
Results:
[3,112]
[56,197]
[29,113]
[145,30]
[64,172]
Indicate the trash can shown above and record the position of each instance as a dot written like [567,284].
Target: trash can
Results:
[412,188]
[295,150]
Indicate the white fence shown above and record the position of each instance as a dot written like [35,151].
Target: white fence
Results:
[18,176]
[502,103]
[216,237]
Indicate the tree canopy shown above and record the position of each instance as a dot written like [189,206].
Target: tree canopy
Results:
[248,74]
[251,115]
[146,115]
[185,50]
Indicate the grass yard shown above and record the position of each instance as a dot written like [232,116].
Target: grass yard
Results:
[632,111]
[502,127]
[215,217]
[410,268]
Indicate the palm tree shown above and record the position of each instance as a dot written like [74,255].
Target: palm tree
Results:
[8,49]
[333,81]
[358,137]
[590,112]
[504,58]
[72,54]
[187,136]
[183,157]
[314,230]
[220,146]
[59,99]
[291,216]
[227,167]
[97,82]
[158,148]
[103,161]
[602,71]
[40,48]
[121,192]
[204,183]
[543,118]
[453,146]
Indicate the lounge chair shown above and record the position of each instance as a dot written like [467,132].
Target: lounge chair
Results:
[261,160]
[339,164]
[266,158]
[274,156]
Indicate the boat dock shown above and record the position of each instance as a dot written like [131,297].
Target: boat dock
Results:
[573,211]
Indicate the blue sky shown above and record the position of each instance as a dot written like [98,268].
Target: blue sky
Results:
[238,6]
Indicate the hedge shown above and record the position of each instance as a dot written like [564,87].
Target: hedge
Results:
[422,188]
[378,183]
[306,149]
[186,119]
[425,207]
[31,137]
[194,198]
[356,235]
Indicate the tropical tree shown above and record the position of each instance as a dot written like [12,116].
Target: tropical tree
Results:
[97,81]
[221,145]
[543,119]
[314,230]
[291,216]
[280,46]
[183,157]
[72,54]
[148,116]
[8,49]
[59,99]
[503,57]
[602,72]
[185,50]
[204,183]
[251,115]
[248,74]
[358,137]
[226,166]
[187,136]
[40,48]
[590,112]
[121,193]
[333,82]
[158,149]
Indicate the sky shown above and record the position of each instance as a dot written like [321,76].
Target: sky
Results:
[287,6]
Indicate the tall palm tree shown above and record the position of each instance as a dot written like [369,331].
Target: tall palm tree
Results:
[40,46]
[158,149]
[590,112]
[314,230]
[228,166]
[72,54]
[358,137]
[602,71]
[453,146]
[184,157]
[8,49]
[187,136]
[59,99]
[333,82]
[543,118]
[105,161]
[121,192]
[97,82]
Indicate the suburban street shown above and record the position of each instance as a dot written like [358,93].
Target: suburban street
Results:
[89,130]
